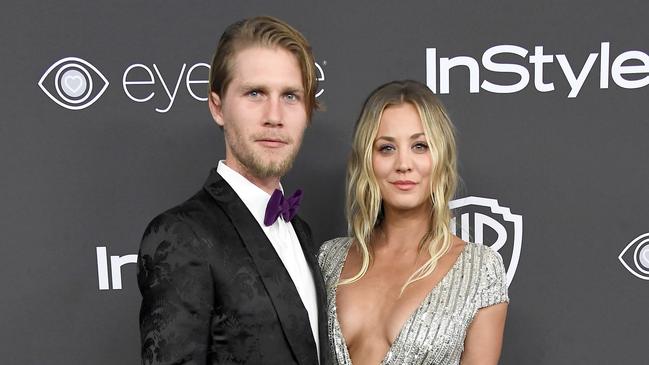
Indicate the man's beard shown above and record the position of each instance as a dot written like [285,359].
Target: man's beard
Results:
[254,163]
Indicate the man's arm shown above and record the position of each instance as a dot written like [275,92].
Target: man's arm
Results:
[177,294]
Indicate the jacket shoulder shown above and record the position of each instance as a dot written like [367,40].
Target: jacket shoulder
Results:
[181,223]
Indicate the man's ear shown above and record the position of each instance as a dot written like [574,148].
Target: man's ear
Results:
[216,108]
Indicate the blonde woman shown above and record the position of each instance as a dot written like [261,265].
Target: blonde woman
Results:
[402,289]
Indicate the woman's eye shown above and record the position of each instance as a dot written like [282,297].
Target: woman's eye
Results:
[386,148]
[420,147]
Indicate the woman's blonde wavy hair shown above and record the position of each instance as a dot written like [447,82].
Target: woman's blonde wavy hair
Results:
[364,204]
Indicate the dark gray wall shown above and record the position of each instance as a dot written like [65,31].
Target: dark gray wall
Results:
[570,168]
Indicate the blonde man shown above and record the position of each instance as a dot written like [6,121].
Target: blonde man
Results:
[221,282]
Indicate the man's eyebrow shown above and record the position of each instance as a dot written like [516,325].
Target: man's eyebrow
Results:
[293,89]
[285,90]
[251,87]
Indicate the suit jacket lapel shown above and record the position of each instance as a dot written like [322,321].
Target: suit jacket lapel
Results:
[292,315]
[310,253]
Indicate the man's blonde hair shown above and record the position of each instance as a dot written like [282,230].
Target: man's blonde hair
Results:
[264,31]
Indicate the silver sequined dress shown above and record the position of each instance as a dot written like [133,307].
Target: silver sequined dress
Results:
[434,333]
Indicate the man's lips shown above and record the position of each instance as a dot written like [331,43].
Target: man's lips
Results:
[404,184]
[271,142]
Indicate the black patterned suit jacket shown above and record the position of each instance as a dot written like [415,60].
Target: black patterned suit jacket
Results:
[214,291]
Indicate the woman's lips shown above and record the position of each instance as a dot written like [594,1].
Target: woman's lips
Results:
[404,184]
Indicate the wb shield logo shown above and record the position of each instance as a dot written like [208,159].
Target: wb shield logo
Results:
[73,83]
[484,221]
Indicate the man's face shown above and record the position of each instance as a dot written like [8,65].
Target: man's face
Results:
[262,112]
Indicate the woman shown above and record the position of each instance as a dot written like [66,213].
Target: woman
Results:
[403,289]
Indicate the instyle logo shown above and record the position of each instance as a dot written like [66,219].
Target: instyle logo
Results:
[73,83]
[116,264]
[629,69]
[485,221]
[635,257]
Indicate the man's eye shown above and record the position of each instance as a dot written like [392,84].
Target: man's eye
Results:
[291,97]
[253,93]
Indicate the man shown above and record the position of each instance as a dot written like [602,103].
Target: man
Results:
[222,281]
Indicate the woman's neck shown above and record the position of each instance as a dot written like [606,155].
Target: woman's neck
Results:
[402,230]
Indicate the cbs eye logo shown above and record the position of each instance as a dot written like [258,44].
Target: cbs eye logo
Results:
[71,84]
[635,257]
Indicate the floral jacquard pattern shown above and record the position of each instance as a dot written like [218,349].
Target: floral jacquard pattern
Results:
[214,291]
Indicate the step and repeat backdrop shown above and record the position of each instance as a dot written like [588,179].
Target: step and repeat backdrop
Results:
[104,124]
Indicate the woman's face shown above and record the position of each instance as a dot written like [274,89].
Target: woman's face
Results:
[401,160]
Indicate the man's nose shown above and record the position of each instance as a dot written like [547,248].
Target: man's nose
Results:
[273,115]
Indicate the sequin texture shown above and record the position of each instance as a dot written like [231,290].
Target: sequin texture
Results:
[434,333]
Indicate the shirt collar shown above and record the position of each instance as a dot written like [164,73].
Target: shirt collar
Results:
[252,196]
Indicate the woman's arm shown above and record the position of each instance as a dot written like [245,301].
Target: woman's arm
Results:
[484,337]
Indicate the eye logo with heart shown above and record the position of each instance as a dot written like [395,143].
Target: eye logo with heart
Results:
[73,83]
[635,257]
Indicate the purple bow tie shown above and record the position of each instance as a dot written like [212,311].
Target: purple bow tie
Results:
[279,205]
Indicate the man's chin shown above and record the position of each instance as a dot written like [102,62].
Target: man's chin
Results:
[271,167]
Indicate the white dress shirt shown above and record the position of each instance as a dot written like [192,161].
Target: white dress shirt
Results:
[283,238]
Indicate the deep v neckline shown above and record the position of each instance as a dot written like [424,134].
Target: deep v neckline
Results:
[410,318]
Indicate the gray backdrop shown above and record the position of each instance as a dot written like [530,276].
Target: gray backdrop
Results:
[543,146]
